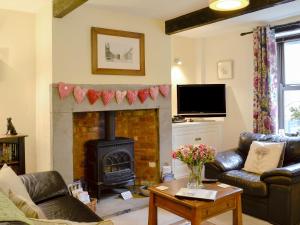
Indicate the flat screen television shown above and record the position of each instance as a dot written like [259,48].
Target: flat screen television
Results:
[201,100]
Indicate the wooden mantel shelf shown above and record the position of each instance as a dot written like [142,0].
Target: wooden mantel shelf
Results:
[4,136]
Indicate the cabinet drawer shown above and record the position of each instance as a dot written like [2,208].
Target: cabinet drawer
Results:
[218,208]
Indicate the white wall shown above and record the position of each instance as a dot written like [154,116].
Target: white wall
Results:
[43,80]
[186,73]
[72,51]
[17,77]
[239,89]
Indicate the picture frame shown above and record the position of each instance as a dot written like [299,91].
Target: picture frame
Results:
[117,52]
[225,69]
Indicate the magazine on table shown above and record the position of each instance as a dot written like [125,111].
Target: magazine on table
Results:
[201,194]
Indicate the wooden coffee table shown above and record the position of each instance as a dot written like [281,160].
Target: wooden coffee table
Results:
[195,210]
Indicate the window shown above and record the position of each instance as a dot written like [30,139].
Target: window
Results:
[289,83]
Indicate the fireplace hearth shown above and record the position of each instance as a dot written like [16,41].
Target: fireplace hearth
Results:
[109,161]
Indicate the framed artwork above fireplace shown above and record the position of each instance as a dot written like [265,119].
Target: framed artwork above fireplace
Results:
[116,52]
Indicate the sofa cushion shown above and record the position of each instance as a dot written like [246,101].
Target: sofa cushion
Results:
[68,208]
[44,185]
[30,209]
[264,156]
[249,182]
[9,212]
[10,181]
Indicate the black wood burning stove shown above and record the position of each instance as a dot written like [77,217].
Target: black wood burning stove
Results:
[109,161]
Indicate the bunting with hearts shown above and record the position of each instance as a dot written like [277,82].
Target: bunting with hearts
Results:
[107,96]
[64,89]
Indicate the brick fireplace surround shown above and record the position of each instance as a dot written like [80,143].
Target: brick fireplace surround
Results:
[65,111]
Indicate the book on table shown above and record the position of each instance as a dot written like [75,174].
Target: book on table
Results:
[201,194]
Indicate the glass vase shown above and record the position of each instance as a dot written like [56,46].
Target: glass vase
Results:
[195,176]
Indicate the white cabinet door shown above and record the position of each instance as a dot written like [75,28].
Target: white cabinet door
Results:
[194,133]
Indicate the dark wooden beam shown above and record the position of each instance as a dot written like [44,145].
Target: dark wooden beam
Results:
[63,7]
[207,16]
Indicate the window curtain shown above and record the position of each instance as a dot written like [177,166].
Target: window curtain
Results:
[265,81]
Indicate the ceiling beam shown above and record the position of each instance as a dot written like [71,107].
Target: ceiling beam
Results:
[63,7]
[207,16]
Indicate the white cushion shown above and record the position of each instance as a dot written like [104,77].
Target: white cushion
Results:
[9,180]
[263,156]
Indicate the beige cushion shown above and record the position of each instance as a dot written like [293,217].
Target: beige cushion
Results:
[10,181]
[66,222]
[30,209]
[263,156]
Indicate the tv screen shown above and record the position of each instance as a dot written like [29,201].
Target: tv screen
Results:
[201,100]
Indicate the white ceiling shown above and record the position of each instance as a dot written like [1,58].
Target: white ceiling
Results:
[159,9]
[31,6]
[168,9]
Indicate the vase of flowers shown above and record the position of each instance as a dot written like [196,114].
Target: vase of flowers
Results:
[195,156]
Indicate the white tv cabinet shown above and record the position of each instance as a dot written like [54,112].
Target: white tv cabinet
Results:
[206,132]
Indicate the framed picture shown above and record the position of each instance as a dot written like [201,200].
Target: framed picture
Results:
[225,70]
[116,52]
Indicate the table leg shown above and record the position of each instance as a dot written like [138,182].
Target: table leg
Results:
[152,217]
[196,217]
[237,212]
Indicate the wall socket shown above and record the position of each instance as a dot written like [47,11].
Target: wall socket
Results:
[152,164]
[135,138]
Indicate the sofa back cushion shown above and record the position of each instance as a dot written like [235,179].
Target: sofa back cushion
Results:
[44,185]
[292,147]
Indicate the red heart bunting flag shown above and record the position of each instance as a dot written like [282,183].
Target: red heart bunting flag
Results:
[107,96]
[154,92]
[120,95]
[93,95]
[79,94]
[64,89]
[164,90]
[131,96]
[143,95]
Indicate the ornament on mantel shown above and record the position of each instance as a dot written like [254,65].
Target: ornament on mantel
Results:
[120,95]
[93,95]
[79,94]
[107,96]
[153,92]
[132,96]
[143,95]
[64,89]
[164,90]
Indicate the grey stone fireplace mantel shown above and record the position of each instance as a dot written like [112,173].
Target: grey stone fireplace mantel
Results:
[62,123]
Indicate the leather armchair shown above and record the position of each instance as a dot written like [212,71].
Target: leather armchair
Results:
[49,191]
[273,196]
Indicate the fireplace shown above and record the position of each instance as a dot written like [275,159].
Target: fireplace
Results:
[109,161]
[148,124]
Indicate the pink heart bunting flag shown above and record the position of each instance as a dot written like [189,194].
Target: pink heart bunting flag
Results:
[93,95]
[154,92]
[79,94]
[131,96]
[107,96]
[164,90]
[143,95]
[64,89]
[120,95]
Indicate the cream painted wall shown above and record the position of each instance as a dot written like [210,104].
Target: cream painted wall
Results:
[43,34]
[17,77]
[239,89]
[186,73]
[72,51]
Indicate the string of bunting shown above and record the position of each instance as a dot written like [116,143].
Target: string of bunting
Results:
[107,96]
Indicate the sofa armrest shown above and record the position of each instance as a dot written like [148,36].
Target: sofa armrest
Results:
[284,175]
[229,160]
[44,185]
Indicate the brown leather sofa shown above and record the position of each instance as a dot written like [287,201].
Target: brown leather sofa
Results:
[49,191]
[273,196]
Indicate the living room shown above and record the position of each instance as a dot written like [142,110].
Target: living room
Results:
[39,52]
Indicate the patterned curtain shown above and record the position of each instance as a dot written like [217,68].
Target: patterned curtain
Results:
[265,81]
